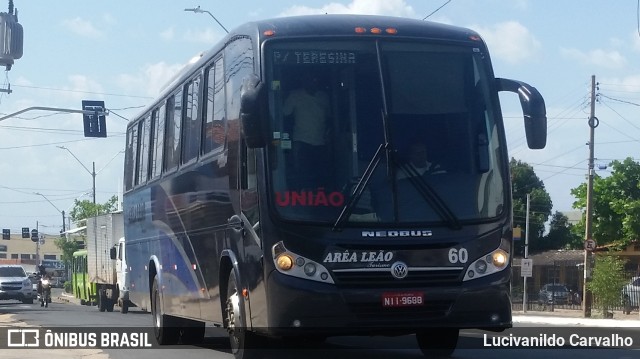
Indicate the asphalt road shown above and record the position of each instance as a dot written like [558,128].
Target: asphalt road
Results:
[472,343]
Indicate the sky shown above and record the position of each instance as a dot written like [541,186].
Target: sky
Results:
[122,52]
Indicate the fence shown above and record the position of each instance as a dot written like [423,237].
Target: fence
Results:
[555,285]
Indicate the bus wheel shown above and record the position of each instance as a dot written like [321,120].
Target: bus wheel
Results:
[164,328]
[244,344]
[440,342]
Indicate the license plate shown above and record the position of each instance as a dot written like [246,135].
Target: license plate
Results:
[402,299]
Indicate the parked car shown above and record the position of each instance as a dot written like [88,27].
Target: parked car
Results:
[57,282]
[34,282]
[553,294]
[631,295]
[15,284]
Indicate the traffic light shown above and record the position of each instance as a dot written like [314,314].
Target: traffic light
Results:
[25,232]
[6,233]
[34,235]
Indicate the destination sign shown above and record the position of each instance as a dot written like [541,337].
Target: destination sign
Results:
[314,57]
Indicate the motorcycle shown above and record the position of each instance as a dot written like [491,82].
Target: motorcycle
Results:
[44,292]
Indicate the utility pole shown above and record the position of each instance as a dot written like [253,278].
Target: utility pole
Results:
[526,254]
[593,123]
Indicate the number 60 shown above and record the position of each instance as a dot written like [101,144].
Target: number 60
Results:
[458,255]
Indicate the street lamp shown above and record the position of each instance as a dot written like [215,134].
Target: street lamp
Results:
[198,10]
[92,173]
[54,206]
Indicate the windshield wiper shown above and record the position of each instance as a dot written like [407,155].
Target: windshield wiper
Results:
[359,189]
[429,194]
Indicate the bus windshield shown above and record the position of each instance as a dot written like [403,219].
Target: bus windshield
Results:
[383,132]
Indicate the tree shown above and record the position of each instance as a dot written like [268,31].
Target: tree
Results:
[80,212]
[616,204]
[560,236]
[67,246]
[607,282]
[524,181]
[85,209]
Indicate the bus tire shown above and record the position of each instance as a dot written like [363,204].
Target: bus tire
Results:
[164,326]
[244,344]
[438,342]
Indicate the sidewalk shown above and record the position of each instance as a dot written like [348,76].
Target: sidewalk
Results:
[575,317]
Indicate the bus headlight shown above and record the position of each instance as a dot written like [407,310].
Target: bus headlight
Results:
[310,269]
[284,262]
[500,258]
[481,266]
[295,265]
[490,263]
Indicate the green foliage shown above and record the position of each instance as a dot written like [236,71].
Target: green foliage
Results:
[68,287]
[525,181]
[85,209]
[67,246]
[560,236]
[616,204]
[79,213]
[606,283]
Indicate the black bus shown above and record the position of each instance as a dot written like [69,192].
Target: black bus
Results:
[271,189]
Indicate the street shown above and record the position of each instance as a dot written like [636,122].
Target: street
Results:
[472,343]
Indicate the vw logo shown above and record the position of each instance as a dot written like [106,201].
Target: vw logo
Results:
[399,270]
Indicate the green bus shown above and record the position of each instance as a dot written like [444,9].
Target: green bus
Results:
[82,288]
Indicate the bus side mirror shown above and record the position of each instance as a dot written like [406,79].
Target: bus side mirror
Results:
[250,111]
[112,253]
[533,109]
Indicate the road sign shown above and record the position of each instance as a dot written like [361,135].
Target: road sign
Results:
[590,245]
[95,124]
[526,267]
[34,235]
[25,232]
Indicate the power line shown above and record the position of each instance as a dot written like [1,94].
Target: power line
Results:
[53,143]
[85,92]
[618,100]
[441,6]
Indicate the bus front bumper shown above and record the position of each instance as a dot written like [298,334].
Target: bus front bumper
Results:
[299,306]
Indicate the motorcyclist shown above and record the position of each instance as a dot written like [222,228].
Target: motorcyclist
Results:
[42,272]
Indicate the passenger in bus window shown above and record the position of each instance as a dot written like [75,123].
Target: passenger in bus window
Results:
[418,163]
[309,106]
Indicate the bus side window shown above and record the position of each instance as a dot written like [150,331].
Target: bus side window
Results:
[192,124]
[214,135]
[172,142]
[142,160]
[130,156]
[157,144]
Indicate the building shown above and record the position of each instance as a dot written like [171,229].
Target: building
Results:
[18,250]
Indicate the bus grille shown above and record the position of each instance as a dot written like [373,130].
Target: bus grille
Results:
[415,278]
